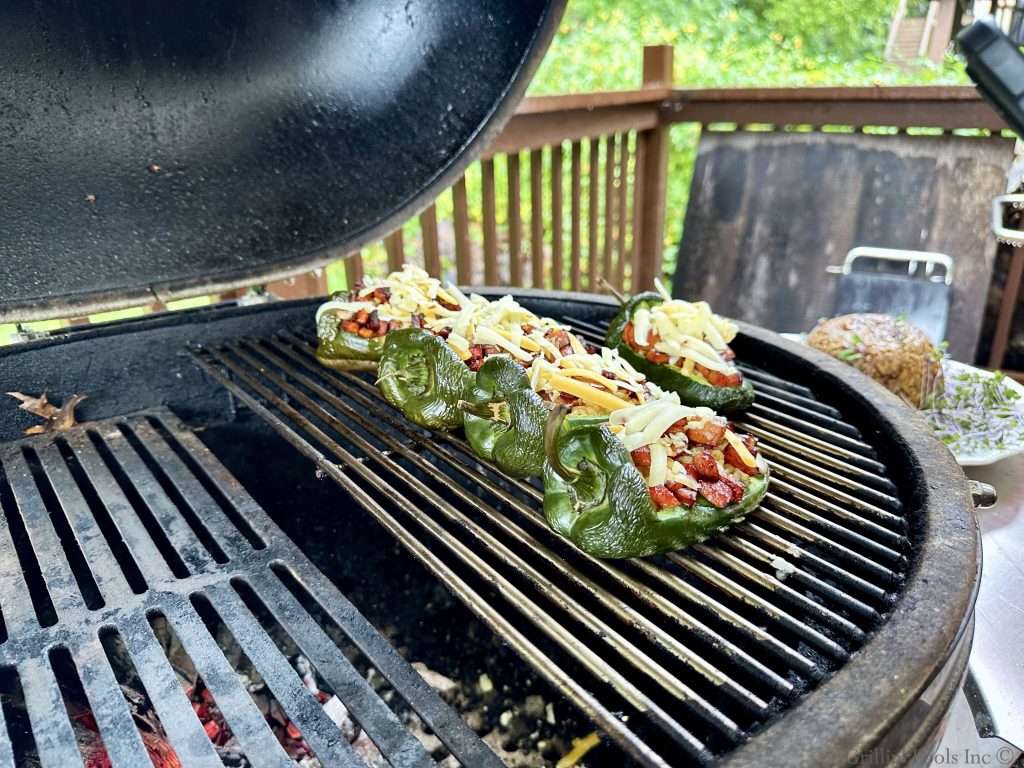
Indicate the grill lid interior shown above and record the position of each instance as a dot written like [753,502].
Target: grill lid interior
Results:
[176,148]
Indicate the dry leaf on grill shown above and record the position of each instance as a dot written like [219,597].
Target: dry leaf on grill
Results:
[55,419]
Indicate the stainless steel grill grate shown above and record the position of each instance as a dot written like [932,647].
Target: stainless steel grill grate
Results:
[123,524]
[677,658]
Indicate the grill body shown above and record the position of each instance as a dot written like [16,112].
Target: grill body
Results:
[884,695]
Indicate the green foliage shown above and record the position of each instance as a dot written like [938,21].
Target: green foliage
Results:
[726,43]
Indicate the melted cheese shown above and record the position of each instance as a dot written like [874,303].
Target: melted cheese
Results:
[659,465]
[741,450]
[586,393]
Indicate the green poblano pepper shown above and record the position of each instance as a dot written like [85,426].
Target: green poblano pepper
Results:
[504,418]
[423,377]
[595,497]
[346,351]
[692,391]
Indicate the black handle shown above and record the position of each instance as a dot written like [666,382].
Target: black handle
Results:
[996,65]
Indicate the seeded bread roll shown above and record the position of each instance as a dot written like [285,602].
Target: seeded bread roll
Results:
[891,351]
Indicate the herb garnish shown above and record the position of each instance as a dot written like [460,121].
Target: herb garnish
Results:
[977,412]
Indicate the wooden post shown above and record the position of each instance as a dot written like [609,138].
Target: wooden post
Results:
[943,30]
[1007,309]
[652,151]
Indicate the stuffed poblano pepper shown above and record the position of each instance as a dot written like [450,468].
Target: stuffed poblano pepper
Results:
[656,478]
[682,347]
[351,327]
[504,418]
[423,377]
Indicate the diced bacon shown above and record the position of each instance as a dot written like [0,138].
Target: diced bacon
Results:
[710,433]
[559,337]
[642,459]
[416,321]
[662,497]
[361,317]
[736,488]
[679,426]
[366,332]
[687,496]
[350,326]
[448,304]
[716,492]
[705,466]
[732,457]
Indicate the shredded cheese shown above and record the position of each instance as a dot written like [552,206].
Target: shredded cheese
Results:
[586,393]
[741,450]
[659,465]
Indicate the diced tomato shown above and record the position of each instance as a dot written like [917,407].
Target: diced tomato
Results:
[658,358]
[705,466]
[732,456]
[642,459]
[687,496]
[734,487]
[710,433]
[366,332]
[350,326]
[628,335]
[719,379]
[717,492]
[662,497]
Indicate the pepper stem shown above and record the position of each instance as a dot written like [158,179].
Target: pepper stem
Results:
[551,431]
[494,410]
[603,282]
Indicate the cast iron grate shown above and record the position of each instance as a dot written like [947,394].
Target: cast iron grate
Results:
[128,551]
[679,658]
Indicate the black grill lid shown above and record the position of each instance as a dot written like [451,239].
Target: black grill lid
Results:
[174,147]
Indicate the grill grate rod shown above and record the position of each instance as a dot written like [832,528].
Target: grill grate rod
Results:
[493,545]
[680,587]
[576,693]
[637,589]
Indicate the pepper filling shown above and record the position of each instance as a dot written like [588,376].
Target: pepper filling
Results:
[687,335]
[687,453]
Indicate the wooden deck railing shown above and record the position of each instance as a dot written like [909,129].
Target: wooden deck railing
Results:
[573,189]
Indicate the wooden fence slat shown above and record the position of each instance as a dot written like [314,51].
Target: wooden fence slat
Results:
[460,206]
[515,223]
[622,215]
[490,224]
[576,192]
[431,247]
[651,178]
[557,274]
[394,244]
[638,254]
[537,218]
[593,214]
[354,269]
[611,143]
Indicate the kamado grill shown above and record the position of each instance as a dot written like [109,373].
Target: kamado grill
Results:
[200,543]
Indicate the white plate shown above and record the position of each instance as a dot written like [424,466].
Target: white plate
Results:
[953,368]
[984,458]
